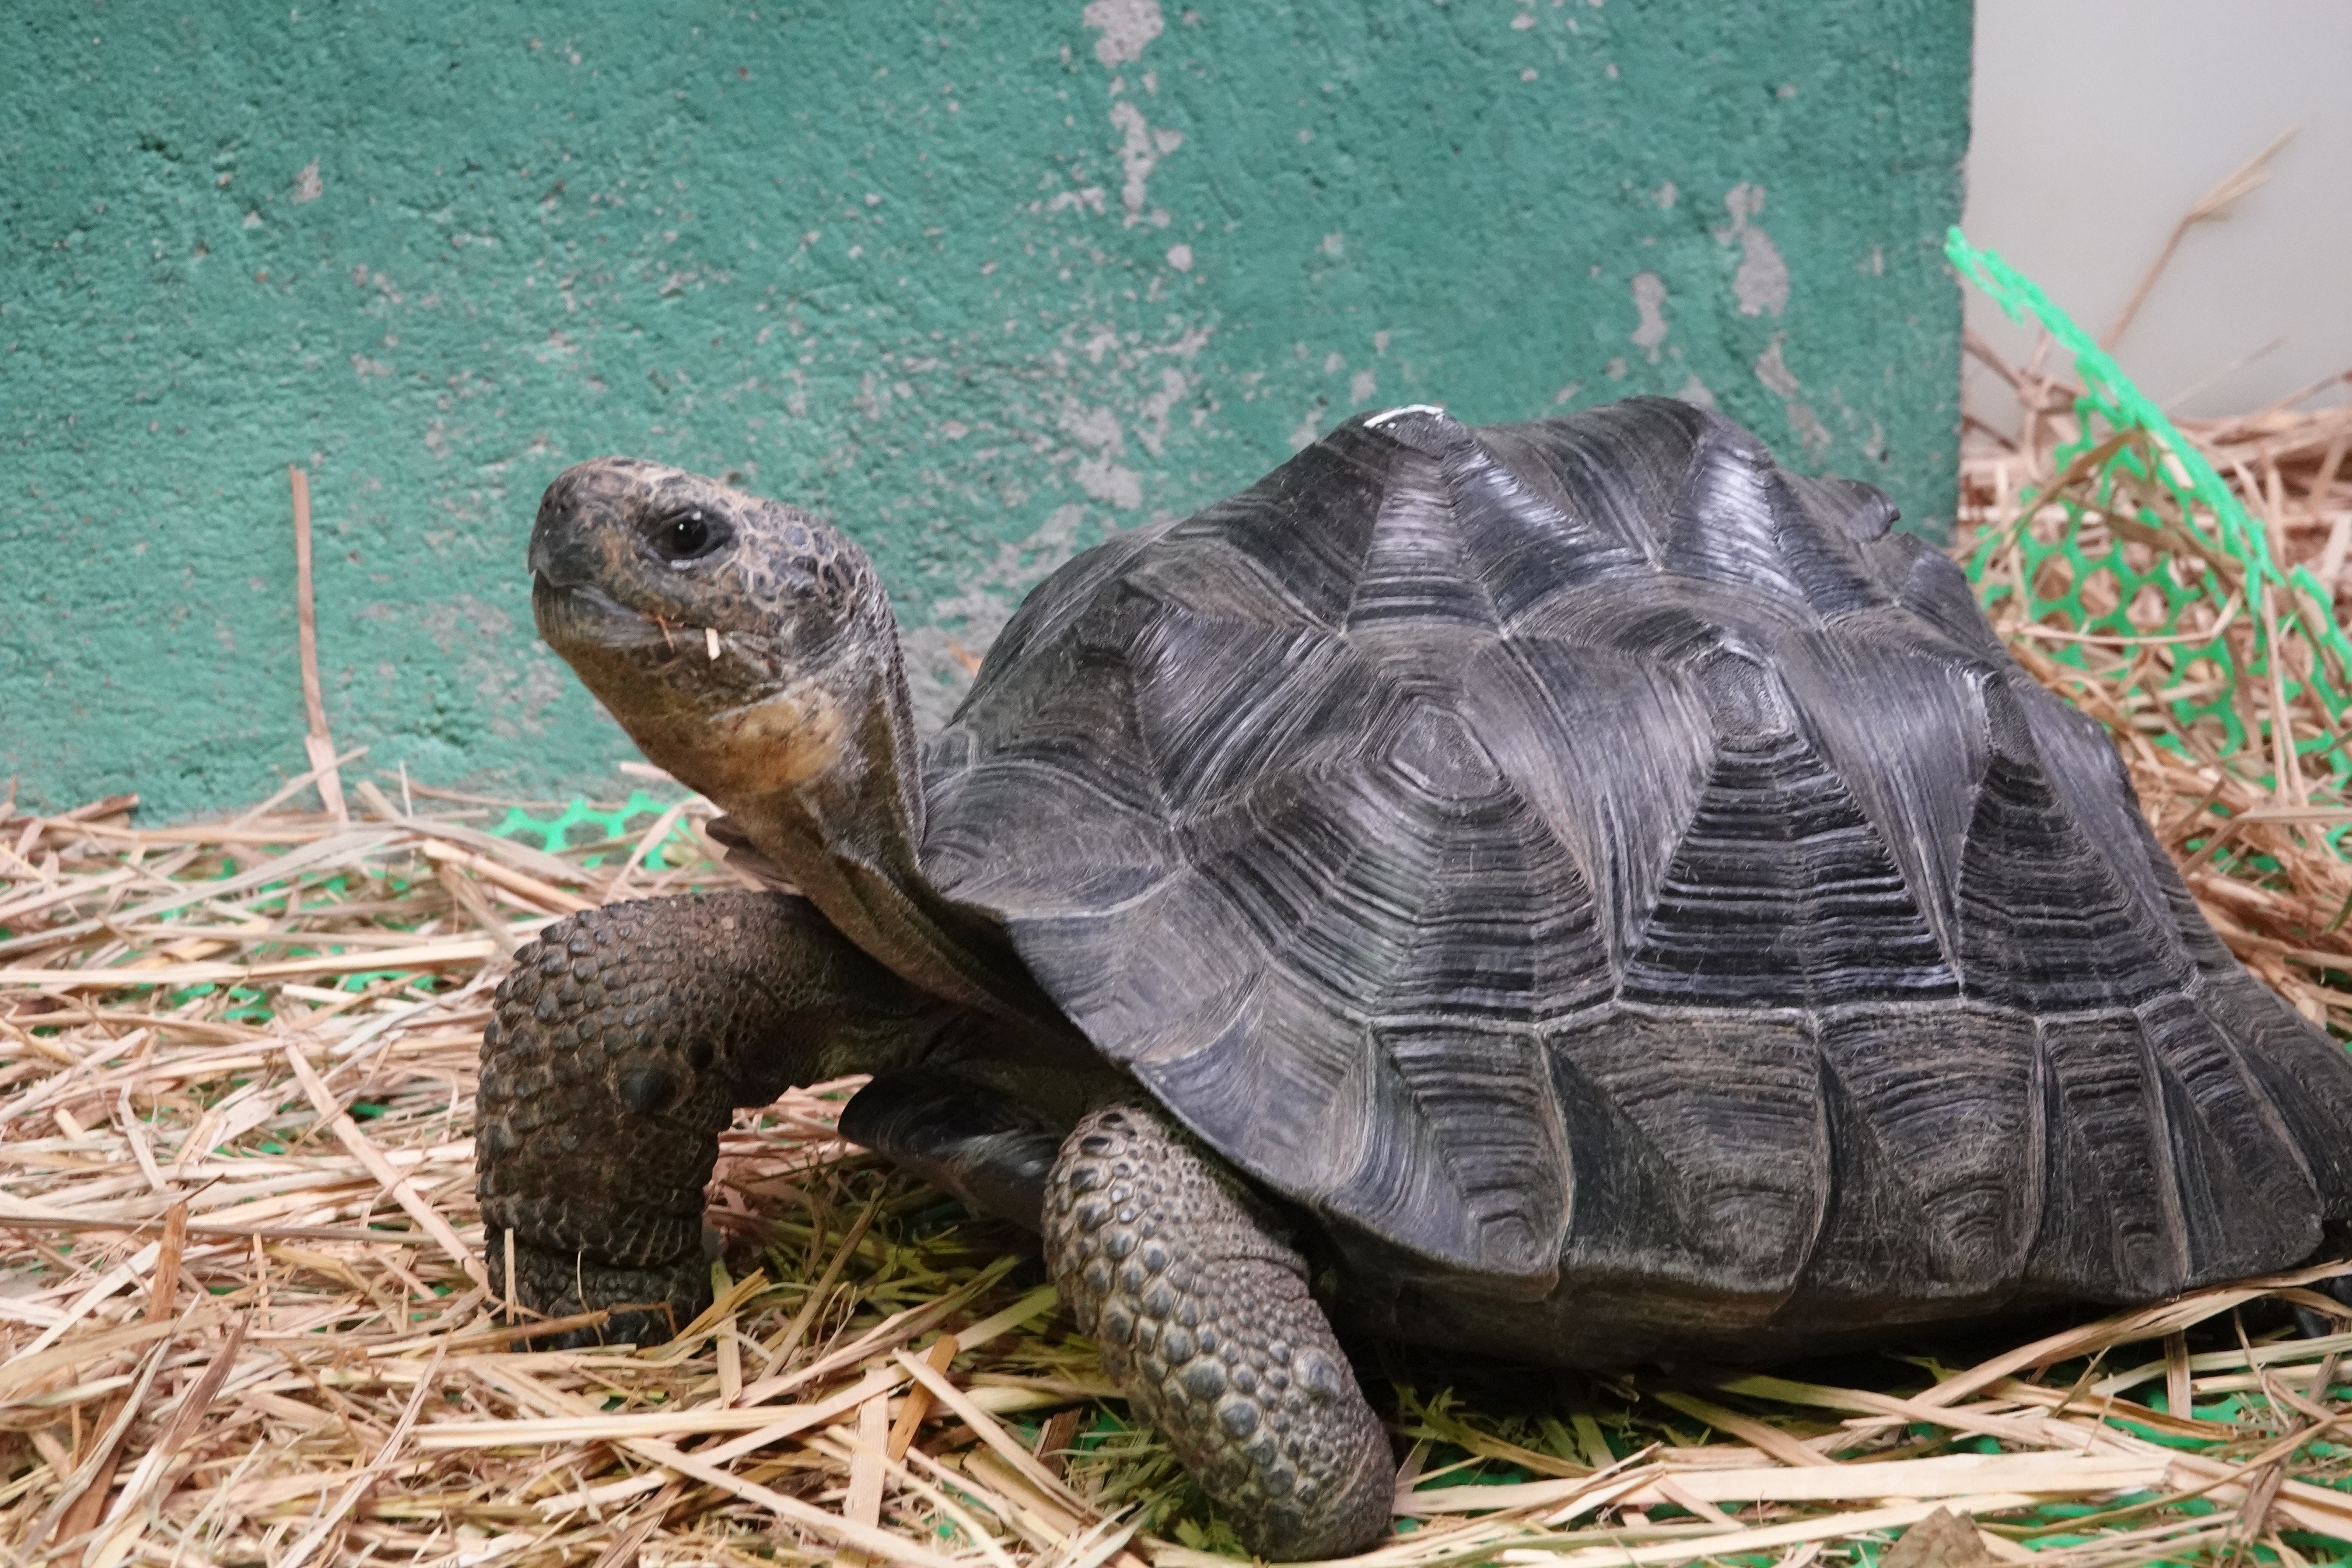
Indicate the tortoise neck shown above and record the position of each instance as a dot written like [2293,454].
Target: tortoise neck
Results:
[849,833]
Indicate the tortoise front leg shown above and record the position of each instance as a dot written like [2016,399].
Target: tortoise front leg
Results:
[618,1046]
[1203,1319]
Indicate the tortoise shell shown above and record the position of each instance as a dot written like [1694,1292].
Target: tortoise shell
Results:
[1584,851]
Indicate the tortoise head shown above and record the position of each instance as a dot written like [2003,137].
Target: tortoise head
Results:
[732,637]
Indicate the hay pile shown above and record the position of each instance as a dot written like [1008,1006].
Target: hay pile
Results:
[2254,830]
[242,1318]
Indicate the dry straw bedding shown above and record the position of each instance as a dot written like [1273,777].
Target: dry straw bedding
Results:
[242,1317]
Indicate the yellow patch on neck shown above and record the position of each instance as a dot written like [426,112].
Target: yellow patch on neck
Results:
[773,746]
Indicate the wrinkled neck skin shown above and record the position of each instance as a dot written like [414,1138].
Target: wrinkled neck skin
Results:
[815,759]
[842,815]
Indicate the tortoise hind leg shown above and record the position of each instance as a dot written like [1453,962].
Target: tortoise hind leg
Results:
[1203,1318]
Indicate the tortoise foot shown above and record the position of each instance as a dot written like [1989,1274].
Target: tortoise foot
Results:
[648,1305]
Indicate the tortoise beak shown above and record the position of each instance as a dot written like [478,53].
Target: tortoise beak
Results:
[581,619]
[561,555]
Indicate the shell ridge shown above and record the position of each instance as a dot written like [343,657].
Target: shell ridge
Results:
[1905,732]
[1319,1147]
[1306,526]
[1457,1020]
[1781,890]
[2047,924]
[1823,526]
[1063,726]
[2111,1226]
[1069,591]
[1217,710]
[1537,461]
[1500,1177]
[2050,929]
[1618,1170]
[1622,465]
[1413,568]
[1856,1252]
[2201,992]
[2300,1074]
[1527,542]
[1954,1141]
[1730,1113]
[2305,1077]
[2078,756]
[2246,1194]
[1619,808]
[1208,578]
[1725,523]
[1349,919]
[1937,592]
[1157,1000]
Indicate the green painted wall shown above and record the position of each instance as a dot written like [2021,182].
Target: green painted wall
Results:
[981,279]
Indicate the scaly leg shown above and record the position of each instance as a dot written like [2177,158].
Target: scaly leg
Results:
[618,1046]
[1203,1318]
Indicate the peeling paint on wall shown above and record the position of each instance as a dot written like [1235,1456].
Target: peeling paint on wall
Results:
[1650,302]
[1762,284]
[1096,361]
[1772,370]
[1125,25]
[1140,150]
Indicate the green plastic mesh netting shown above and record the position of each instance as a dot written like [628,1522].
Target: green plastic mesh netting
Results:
[2157,558]
[581,822]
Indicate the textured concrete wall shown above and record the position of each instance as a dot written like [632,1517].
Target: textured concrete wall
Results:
[981,279]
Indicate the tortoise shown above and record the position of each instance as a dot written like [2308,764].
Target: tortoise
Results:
[1572,891]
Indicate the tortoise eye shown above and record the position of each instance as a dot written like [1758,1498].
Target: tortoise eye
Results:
[683,536]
